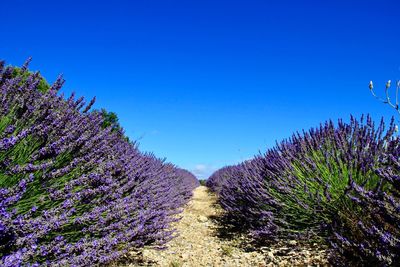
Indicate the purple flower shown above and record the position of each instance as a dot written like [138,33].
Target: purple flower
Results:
[76,194]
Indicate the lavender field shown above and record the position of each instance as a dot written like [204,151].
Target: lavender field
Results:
[337,185]
[200,133]
[73,193]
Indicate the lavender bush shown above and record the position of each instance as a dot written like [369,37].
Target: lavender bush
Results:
[243,193]
[73,193]
[370,235]
[216,180]
[318,186]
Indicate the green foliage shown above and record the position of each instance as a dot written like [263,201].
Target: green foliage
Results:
[43,85]
[175,263]
[111,120]
[320,191]
[203,182]
[227,250]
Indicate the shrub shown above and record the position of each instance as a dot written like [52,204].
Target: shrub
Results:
[370,235]
[309,187]
[189,181]
[73,193]
[216,180]
[243,192]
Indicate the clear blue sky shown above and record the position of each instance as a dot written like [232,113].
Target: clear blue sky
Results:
[211,83]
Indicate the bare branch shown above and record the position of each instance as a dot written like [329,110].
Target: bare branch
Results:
[387,101]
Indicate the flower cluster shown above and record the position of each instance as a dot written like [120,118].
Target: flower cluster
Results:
[370,236]
[336,184]
[73,193]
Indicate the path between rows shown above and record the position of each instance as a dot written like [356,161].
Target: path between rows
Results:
[198,245]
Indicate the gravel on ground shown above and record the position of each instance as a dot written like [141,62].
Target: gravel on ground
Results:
[198,244]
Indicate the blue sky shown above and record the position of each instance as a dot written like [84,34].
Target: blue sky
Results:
[211,83]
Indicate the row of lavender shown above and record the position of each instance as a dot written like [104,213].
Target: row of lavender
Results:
[73,193]
[336,184]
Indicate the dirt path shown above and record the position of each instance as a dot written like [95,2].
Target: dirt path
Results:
[198,245]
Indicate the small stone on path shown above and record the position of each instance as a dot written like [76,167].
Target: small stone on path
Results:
[202,219]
